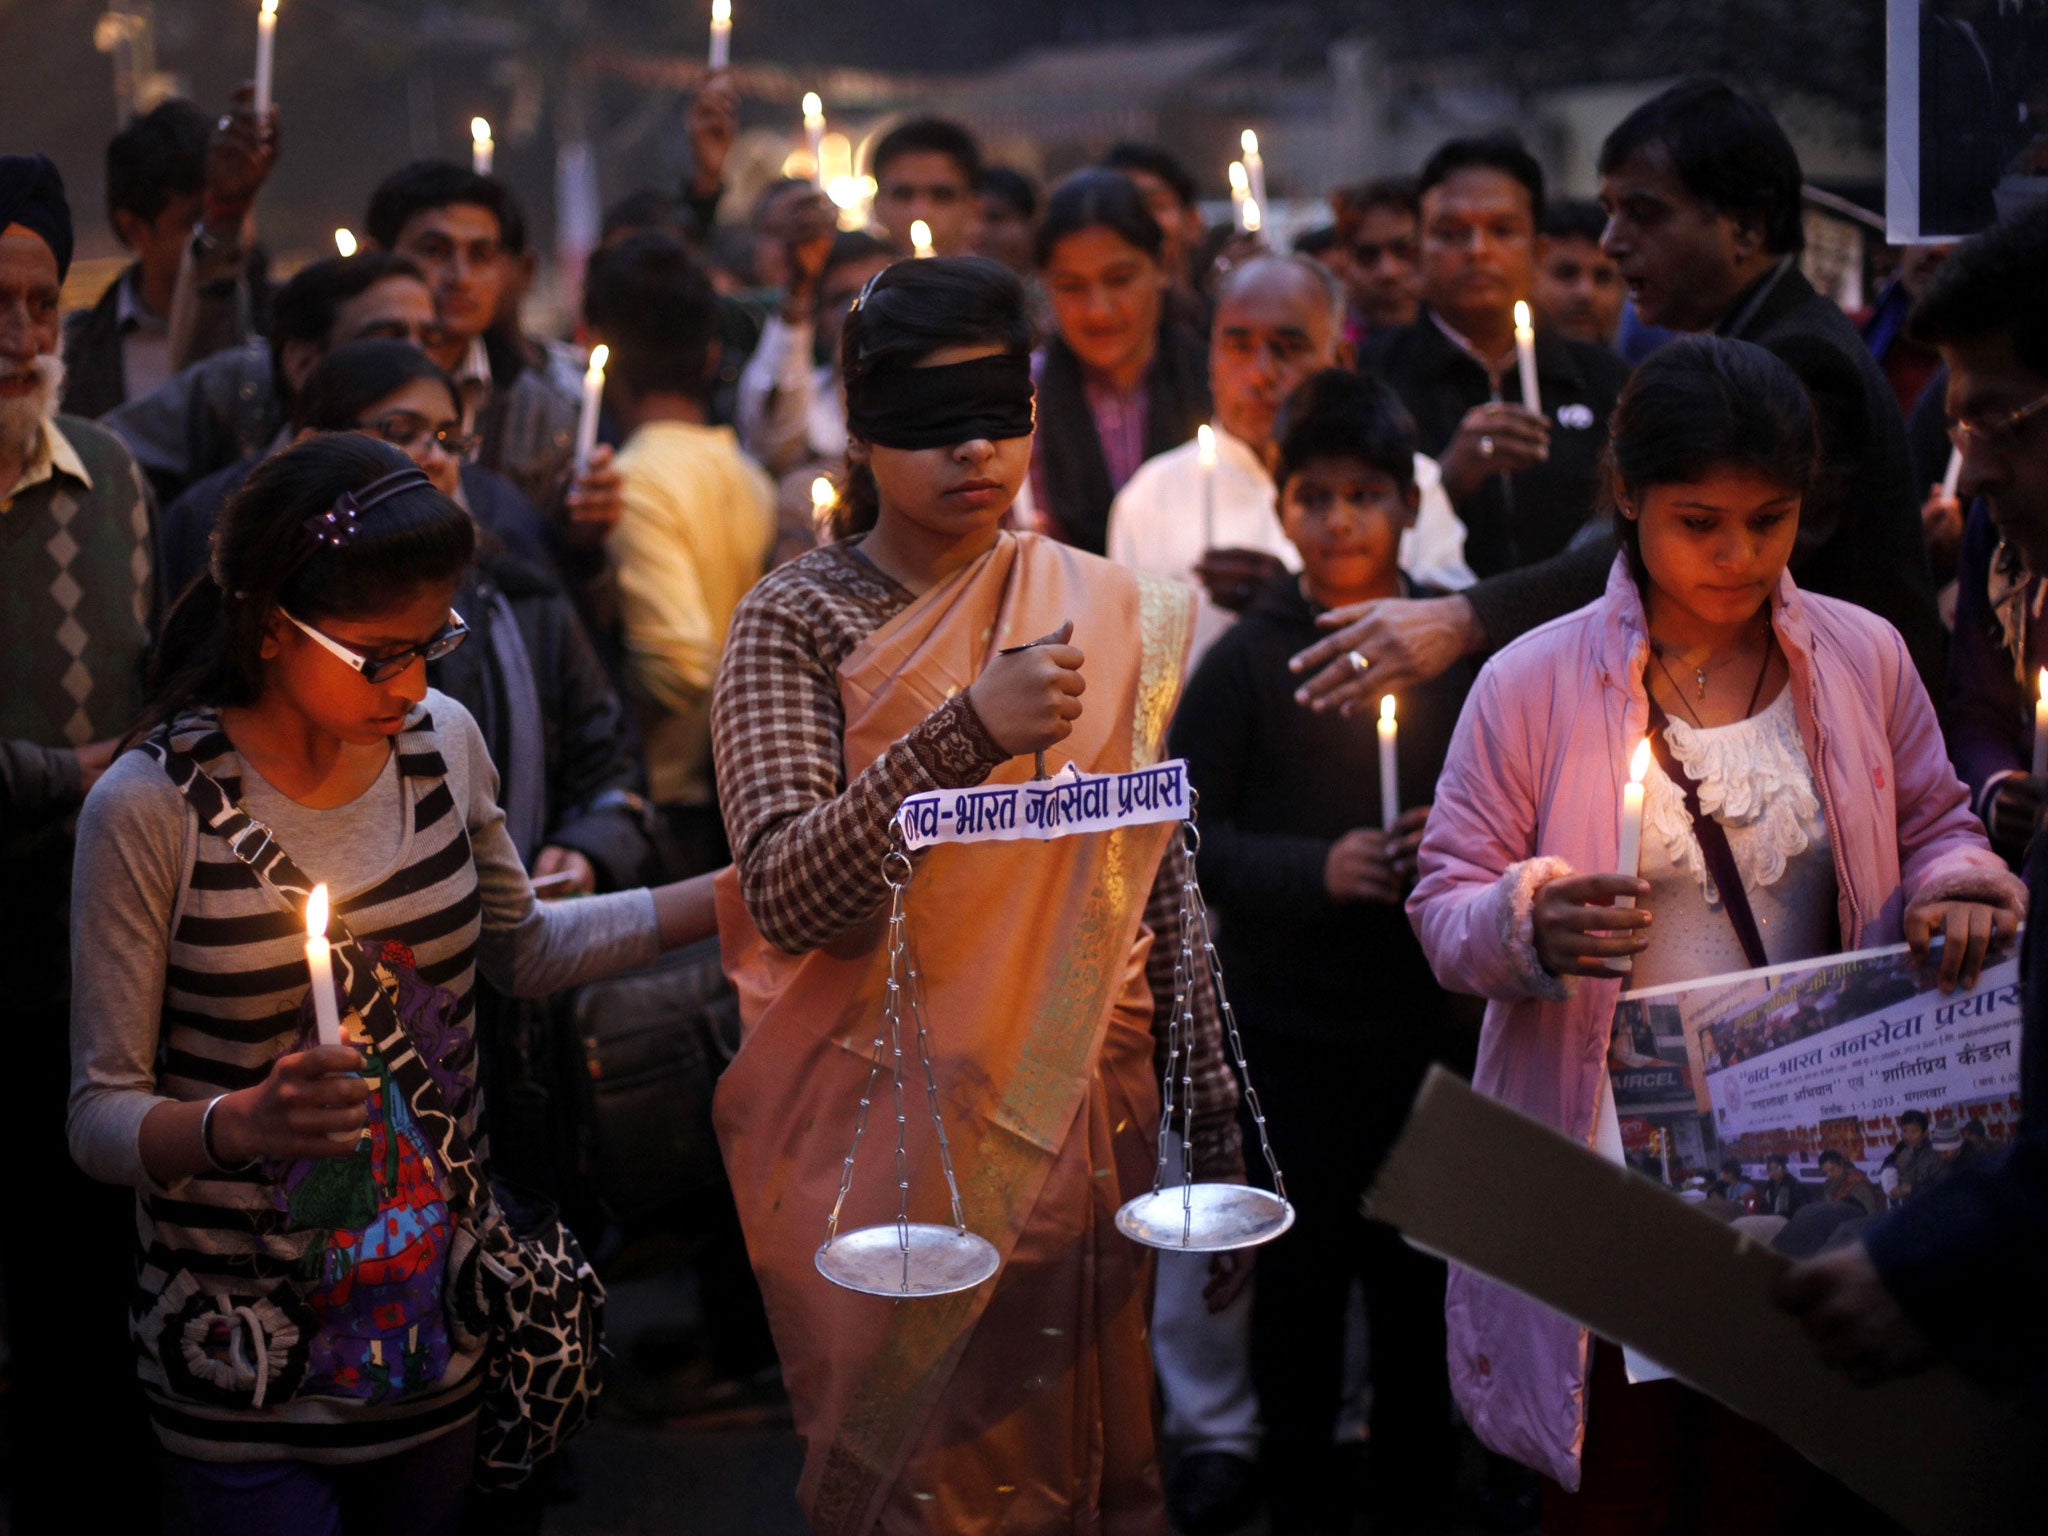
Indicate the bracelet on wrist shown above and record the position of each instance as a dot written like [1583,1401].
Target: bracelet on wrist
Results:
[206,1139]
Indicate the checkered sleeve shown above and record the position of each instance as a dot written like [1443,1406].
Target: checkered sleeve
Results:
[809,844]
[1218,1144]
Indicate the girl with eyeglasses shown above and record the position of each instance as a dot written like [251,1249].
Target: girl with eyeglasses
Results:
[296,1337]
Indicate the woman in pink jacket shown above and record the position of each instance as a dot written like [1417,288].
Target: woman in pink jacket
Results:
[1812,744]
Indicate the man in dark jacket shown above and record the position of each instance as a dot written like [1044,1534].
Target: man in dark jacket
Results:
[1962,1270]
[1702,190]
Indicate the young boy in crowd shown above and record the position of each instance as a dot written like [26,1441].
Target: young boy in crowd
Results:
[1340,1013]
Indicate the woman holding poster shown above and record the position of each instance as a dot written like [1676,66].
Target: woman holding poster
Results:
[1798,802]
[927,648]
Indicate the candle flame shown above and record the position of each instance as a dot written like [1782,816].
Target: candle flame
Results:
[1205,445]
[921,237]
[1640,763]
[1522,317]
[345,241]
[316,912]
[822,494]
[1387,709]
[721,13]
[599,356]
[1250,142]
[814,107]
[479,130]
[1240,182]
[1254,221]
[270,9]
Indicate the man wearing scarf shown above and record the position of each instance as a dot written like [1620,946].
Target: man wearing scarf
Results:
[76,594]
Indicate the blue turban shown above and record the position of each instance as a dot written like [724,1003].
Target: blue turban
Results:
[32,195]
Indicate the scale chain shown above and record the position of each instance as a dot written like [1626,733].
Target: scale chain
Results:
[1229,1016]
[894,1011]
[931,1086]
[860,1124]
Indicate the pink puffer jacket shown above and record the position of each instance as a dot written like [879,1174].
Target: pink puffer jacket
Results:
[1532,790]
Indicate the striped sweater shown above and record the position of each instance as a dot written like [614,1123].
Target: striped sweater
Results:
[297,1310]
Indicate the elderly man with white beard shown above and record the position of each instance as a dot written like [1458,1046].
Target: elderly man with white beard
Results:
[76,591]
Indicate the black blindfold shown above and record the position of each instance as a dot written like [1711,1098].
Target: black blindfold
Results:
[937,407]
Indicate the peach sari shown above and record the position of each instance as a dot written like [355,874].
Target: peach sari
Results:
[1025,1404]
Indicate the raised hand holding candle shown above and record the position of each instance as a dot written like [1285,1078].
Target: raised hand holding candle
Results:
[482,147]
[814,132]
[320,963]
[266,56]
[593,397]
[1254,167]
[921,239]
[1390,772]
[1205,454]
[1240,189]
[1525,354]
[345,241]
[721,34]
[2041,726]
[1632,816]
[1954,476]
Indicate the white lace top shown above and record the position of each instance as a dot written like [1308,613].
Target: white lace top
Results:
[1755,780]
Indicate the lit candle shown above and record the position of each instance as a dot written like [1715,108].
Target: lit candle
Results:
[1390,773]
[1954,477]
[345,241]
[1254,219]
[1240,189]
[822,497]
[921,238]
[721,33]
[1254,166]
[593,397]
[482,147]
[320,963]
[1205,454]
[266,53]
[2041,726]
[1525,354]
[1632,816]
[814,130]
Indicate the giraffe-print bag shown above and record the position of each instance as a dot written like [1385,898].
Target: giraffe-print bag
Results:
[517,1279]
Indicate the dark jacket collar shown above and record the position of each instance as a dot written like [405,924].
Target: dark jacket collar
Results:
[1555,359]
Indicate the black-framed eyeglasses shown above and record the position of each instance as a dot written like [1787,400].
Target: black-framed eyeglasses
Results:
[405,429]
[381,669]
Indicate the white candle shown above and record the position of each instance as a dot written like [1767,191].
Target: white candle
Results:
[266,52]
[593,397]
[1254,167]
[814,131]
[921,238]
[1240,189]
[1254,217]
[721,34]
[345,241]
[482,147]
[1954,477]
[320,963]
[1525,354]
[2041,726]
[822,497]
[1632,816]
[1205,453]
[1390,772]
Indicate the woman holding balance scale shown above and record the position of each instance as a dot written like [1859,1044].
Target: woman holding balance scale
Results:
[899,660]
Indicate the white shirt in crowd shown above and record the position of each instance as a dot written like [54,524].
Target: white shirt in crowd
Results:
[1156,524]
[789,408]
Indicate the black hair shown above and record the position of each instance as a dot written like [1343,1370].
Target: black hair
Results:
[929,136]
[1350,204]
[1702,403]
[653,302]
[1007,184]
[1501,152]
[1973,1126]
[159,155]
[1732,1165]
[424,186]
[1726,150]
[1313,242]
[1780,1159]
[648,211]
[1131,155]
[775,191]
[306,308]
[1573,218]
[1336,413]
[511,222]
[1098,200]
[851,245]
[911,310]
[264,558]
[1993,283]
[1832,1156]
[1914,1117]
[352,378]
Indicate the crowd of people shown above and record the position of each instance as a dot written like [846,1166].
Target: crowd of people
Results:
[318,576]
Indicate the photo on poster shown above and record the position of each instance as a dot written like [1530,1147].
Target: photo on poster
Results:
[1966,115]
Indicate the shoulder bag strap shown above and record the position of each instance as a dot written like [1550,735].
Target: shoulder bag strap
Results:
[1713,841]
[252,842]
